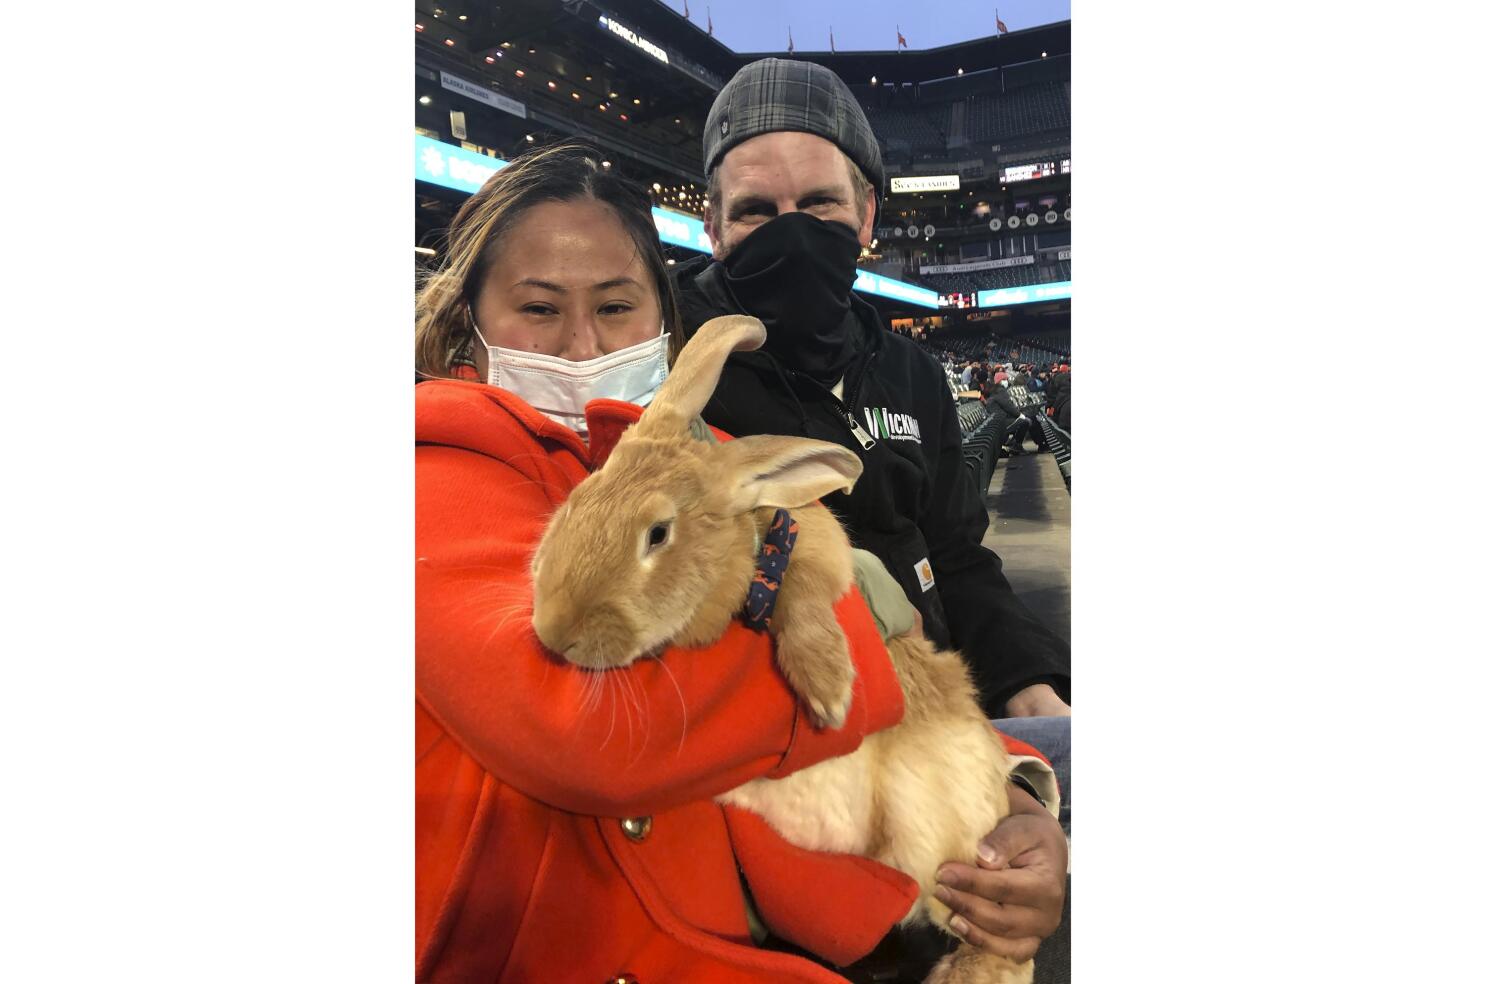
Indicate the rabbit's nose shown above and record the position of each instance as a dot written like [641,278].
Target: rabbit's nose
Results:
[553,632]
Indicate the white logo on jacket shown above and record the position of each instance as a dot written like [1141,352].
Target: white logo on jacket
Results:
[883,423]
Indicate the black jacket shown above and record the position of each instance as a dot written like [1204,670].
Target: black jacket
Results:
[914,502]
[1059,396]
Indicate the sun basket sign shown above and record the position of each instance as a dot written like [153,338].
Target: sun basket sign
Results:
[928,182]
[679,229]
[873,283]
[452,167]
[649,47]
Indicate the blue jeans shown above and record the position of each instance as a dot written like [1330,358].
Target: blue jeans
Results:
[1050,736]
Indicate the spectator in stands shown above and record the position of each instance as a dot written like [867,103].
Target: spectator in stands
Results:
[1059,389]
[793,177]
[553,263]
[968,376]
[997,393]
[794,172]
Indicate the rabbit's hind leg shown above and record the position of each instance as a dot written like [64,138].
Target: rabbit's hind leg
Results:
[972,965]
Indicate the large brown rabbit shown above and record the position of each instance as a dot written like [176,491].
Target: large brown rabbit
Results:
[659,546]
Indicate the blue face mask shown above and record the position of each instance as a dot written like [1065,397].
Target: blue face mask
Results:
[560,389]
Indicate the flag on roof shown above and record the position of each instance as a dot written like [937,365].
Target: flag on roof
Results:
[902,41]
[791,40]
[709,20]
[833,38]
[1000,24]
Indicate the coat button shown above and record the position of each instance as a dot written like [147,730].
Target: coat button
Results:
[624,979]
[636,829]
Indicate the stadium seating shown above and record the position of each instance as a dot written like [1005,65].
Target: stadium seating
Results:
[974,346]
[1030,109]
[1018,276]
[1060,442]
[981,436]
[910,129]
[969,283]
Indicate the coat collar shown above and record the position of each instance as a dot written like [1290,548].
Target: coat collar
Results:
[499,423]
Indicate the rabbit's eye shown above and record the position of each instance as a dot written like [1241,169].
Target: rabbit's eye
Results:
[659,534]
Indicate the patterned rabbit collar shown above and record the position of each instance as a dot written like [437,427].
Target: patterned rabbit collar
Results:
[773,558]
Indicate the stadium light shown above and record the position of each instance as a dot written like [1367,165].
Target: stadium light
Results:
[606,163]
[552,85]
[418,27]
[424,100]
[588,78]
[959,71]
[613,95]
[449,42]
[530,138]
[1044,54]
[531,51]
[637,102]
[603,107]
[489,60]
[520,74]
[624,117]
[576,96]
[874,80]
[655,186]
[506,45]
[424,250]
[463,17]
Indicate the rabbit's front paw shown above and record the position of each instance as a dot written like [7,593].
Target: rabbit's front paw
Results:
[818,666]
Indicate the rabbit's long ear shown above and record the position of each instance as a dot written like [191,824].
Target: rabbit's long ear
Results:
[786,472]
[694,376]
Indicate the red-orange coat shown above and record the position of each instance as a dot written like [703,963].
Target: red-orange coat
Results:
[524,870]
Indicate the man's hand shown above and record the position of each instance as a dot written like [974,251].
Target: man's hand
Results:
[1012,899]
[1038,700]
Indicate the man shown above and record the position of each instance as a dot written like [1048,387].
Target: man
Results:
[789,210]
[794,177]
[1059,397]
[998,393]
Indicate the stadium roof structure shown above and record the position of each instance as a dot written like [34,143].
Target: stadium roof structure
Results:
[662,26]
[972,55]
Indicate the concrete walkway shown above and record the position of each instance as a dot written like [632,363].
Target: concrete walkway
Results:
[1029,529]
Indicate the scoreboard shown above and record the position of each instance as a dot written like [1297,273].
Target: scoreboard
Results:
[958,300]
[1031,172]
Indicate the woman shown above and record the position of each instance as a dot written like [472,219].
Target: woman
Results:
[565,823]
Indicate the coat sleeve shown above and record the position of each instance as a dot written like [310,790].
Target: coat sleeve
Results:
[689,725]
[1006,646]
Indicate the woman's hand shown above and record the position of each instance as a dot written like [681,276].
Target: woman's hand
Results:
[1012,899]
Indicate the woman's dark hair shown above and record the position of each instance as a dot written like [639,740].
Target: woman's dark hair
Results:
[563,172]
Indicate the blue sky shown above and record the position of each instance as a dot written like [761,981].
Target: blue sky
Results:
[863,25]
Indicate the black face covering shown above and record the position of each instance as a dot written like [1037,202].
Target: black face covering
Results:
[794,274]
